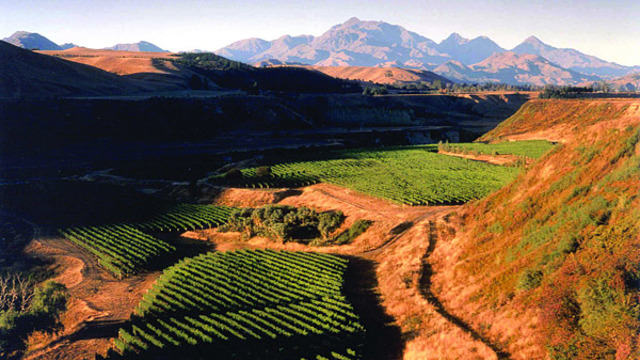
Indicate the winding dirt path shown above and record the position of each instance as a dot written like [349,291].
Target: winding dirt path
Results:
[431,297]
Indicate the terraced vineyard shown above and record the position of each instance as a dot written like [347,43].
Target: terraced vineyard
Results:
[529,148]
[121,249]
[412,175]
[247,304]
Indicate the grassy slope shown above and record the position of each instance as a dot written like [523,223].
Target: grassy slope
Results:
[563,238]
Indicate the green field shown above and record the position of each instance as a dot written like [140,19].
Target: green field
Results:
[529,148]
[247,304]
[413,175]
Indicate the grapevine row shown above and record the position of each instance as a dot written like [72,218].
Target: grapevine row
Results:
[258,304]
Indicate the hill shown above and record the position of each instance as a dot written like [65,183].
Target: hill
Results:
[204,71]
[512,68]
[141,46]
[380,75]
[28,40]
[553,256]
[629,82]
[24,73]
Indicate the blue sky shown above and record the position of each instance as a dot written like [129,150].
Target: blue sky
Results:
[607,29]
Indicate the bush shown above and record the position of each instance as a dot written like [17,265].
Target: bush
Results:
[263,172]
[286,223]
[530,279]
[354,231]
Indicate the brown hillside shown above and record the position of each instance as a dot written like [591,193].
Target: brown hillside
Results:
[380,75]
[548,266]
[153,66]
[26,73]
[117,62]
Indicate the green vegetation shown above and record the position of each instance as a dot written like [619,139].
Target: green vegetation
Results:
[25,308]
[529,148]
[413,175]
[246,304]
[123,249]
[234,74]
[184,217]
[347,236]
[120,249]
[564,92]
[288,223]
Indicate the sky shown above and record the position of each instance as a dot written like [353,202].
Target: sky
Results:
[608,29]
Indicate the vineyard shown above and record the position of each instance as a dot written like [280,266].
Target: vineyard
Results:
[534,149]
[185,217]
[123,249]
[247,304]
[412,175]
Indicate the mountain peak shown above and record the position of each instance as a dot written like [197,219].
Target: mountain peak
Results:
[352,21]
[29,40]
[457,38]
[532,40]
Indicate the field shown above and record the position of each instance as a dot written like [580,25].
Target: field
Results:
[534,149]
[246,304]
[411,175]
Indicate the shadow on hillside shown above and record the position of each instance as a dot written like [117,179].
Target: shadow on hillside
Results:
[185,248]
[383,340]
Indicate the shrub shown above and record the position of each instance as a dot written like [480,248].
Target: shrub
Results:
[354,231]
[530,279]
[263,172]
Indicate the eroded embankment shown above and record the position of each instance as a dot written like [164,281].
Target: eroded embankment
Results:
[548,266]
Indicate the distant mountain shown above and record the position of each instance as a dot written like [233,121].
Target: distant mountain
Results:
[571,59]
[469,51]
[274,62]
[28,40]
[68,46]
[355,42]
[379,44]
[139,46]
[513,68]
[25,73]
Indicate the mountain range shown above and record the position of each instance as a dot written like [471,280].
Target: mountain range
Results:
[356,43]
[31,41]
[376,43]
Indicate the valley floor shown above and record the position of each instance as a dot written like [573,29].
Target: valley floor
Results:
[390,281]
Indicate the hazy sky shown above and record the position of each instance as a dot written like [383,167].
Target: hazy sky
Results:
[608,29]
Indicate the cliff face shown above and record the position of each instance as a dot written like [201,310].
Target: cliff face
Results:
[549,265]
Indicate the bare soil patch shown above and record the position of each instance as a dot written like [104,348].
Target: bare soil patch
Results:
[98,302]
[504,160]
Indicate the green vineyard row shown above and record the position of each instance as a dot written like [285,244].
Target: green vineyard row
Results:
[257,304]
[124,249]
